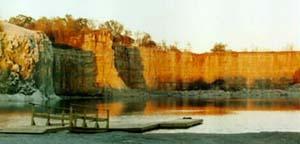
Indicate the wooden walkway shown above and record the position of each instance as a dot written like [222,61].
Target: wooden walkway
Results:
[173,124]
[114,126]
[79,121]
[33,129]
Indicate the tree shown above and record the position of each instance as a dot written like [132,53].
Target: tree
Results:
[77,25]
[144,39]
[115,27]
[22,20]
[219,47]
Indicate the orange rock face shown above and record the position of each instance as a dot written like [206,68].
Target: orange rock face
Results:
[100,43]
[171,69]
[251,65]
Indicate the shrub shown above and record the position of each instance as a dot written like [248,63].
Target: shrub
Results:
[11,83]
[263,84]
[218,84]
[199,85]
[282,83]
[235,83]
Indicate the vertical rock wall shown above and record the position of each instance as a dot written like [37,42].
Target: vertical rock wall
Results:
[153,68]
[180,70]
[74,72]
[170,69]
[128,63]
[251,65]
[100,43]
[144,67]
[25,61]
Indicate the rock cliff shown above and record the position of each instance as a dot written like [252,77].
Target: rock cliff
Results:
[100,43]
[122,67]
[128,63]
[74,72]
[153,68]
[25,61]
[183,70]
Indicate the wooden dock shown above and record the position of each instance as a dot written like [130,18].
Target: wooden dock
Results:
[33,129]
[180,123]
[143,127]
[82,122]
[114,126]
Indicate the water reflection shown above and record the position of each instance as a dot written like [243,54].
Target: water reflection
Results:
[173,105]
[167,105]
[218,107]
[219,114]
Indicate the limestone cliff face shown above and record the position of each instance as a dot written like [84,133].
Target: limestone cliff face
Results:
[180,70]
[251,65]
[153,68]
[25,61]
[74,72]
[128,63]
[170,69]
[100,43]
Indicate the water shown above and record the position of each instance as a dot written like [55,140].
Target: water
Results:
[220,115]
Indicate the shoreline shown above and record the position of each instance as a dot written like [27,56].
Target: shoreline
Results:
[180,138]
[208,94]
[142,94]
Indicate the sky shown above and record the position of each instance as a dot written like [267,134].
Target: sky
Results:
[265,25]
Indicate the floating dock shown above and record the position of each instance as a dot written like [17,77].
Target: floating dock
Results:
[143,127]
[33,129]
[136,128]
[68,119]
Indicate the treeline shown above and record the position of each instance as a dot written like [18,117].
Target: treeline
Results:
[60,27]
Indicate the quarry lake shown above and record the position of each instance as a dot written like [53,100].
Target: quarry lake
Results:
[219,115]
